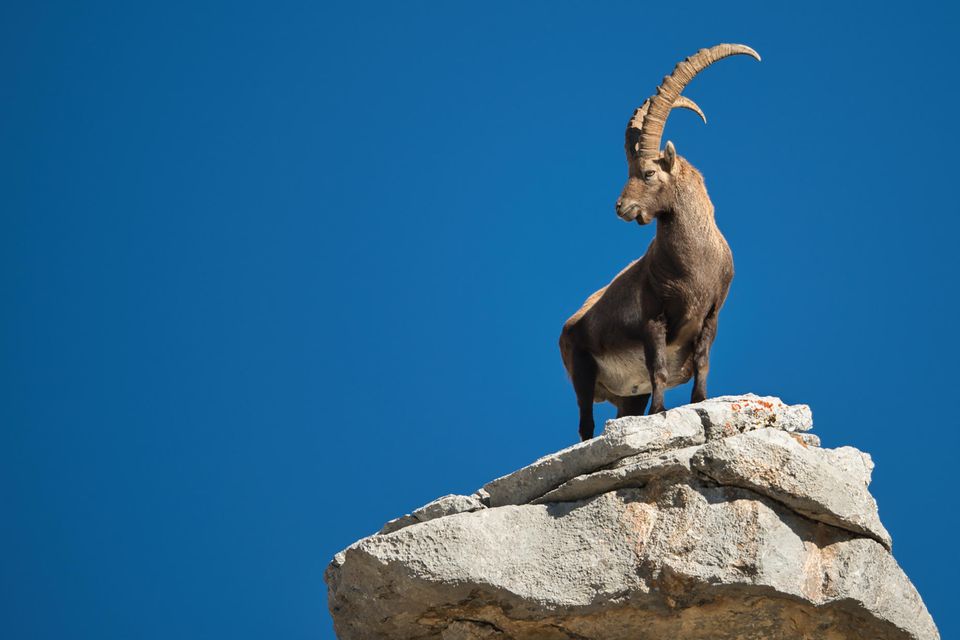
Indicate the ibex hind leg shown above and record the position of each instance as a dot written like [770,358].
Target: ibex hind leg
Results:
[632,405]
[584,376]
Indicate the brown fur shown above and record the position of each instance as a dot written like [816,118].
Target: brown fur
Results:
[652,327]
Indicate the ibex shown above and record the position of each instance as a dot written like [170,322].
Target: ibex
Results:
[651,328]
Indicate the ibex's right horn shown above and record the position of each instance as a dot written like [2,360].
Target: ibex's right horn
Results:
[636,122]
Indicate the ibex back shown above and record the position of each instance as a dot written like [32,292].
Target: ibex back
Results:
[652,327]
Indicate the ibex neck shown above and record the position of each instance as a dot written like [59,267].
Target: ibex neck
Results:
[687,223]
[688,229]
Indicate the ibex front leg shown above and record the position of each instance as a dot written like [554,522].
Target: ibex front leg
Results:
[584,376]
[655,351]
[701,357]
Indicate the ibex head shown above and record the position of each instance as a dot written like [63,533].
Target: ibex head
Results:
[652,173]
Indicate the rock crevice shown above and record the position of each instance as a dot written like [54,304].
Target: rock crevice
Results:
[723,519]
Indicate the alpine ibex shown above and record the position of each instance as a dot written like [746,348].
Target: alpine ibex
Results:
[651,328]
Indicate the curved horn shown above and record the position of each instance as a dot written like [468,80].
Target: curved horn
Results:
[687,103]
[668,92]
[636,122]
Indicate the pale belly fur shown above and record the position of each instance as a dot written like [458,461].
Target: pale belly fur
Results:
[625,373]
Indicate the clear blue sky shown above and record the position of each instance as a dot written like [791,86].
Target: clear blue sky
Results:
[275,273]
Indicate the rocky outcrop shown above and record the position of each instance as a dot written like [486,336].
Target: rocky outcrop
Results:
[718,520]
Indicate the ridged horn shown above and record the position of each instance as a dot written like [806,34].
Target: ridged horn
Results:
[682,102]
[668,93]
[636,122]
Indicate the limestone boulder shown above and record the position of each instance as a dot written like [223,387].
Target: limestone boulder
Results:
[722,520]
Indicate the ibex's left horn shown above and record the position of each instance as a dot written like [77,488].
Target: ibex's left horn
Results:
[687,103]
[668,92]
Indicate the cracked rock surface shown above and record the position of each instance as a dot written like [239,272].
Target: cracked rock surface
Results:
[720,520]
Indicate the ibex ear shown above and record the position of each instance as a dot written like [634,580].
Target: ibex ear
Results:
[669,156]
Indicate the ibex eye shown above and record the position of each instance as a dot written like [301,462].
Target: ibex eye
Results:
[649,174]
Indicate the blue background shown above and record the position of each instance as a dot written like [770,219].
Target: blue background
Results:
[275,273]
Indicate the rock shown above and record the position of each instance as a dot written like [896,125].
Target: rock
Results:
[447,506]
[700,523]
[398,523]
[829,486]
[852,461]
[622,438]
[634,471]
[470,630]
[729,415]
[679,427]
[668,561]
[443,506]
[809,439]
